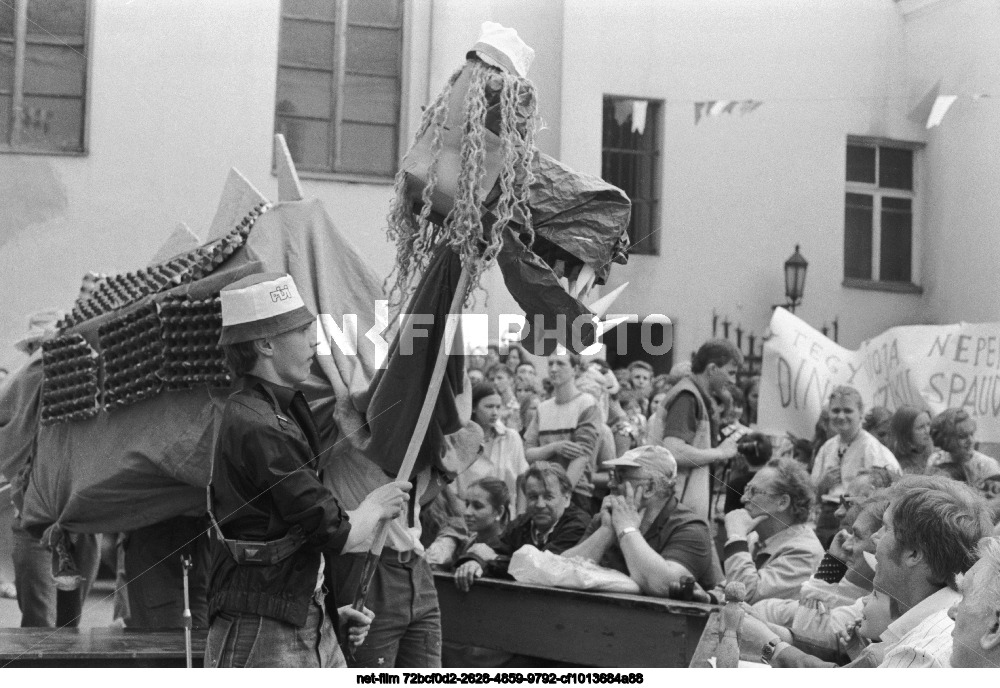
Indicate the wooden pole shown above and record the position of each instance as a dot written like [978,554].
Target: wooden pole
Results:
[423,422]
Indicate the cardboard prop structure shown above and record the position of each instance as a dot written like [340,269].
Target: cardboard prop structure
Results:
[113,424]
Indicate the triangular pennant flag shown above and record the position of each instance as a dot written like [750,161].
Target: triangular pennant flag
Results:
[717,108]
[749,106]
[639,116]
[623,108]
[940,108]
[920,113]
[698,107]
[730,107]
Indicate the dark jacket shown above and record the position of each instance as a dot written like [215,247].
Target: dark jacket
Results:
[567,532]
[264,482]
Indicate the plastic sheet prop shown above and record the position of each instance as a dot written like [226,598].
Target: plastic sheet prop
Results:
[530,565]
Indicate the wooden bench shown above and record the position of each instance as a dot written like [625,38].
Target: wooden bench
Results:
[583,628]
[98,647]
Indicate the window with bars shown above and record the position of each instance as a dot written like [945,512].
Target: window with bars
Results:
[630,159]
[43,75]
[879,205]
[339,84]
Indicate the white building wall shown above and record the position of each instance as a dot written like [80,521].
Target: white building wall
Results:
[739,192]
[956,44]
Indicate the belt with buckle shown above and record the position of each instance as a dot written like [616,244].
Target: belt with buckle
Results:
[405,558]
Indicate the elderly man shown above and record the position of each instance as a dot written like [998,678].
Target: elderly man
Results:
[976,638]
[928,537]
[769,547]
[644,531]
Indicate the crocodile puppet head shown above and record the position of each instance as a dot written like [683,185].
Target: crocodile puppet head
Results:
[474,180]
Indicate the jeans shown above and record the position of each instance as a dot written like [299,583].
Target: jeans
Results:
[42,605]
[247,640]
[406,631]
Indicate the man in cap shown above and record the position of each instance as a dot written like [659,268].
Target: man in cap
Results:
[644,531]
[277,521]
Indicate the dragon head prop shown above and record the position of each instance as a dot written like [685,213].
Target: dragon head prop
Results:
[474,180]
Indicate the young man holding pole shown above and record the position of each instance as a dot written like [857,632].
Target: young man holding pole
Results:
[278,526]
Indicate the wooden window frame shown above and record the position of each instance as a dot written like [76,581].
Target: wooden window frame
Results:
[20,43]
[338,72]
[648,241]
[878,193]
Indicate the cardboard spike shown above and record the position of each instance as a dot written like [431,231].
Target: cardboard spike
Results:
[601,306]
[181,240]
[605,326]
[584,280]
[289,187]
[238,198]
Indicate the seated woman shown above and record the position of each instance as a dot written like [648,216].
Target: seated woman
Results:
[550,523]
[824,610]
[769,547]
[644,531]
[953,432]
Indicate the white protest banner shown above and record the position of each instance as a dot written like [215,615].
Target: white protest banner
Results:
[930,366]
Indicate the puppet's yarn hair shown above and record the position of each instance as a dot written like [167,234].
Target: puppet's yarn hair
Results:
[416,237]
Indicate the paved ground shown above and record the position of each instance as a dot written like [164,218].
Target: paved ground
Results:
[97,611]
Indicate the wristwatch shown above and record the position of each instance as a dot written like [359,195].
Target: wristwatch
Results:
[767,653]
[625,531]
[773,647]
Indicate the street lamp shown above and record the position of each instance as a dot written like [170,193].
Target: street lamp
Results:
[795,280]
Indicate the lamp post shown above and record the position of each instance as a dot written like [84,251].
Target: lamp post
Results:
[795,280]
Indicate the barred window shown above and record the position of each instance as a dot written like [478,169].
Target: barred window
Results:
[339,84]
[630,159]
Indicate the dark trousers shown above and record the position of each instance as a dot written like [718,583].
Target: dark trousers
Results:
[154,573]
[41,603]
[406,631]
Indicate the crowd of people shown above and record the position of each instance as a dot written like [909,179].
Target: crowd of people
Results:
[870,544]
[857,547]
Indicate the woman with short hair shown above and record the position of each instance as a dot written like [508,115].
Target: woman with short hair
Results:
[953,432]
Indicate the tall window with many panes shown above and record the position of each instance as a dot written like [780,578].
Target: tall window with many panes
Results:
[879,213]
[43,76]
[630,159]
[339,85]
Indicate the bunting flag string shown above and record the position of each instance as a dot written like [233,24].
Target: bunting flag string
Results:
[930,111]
[714,108]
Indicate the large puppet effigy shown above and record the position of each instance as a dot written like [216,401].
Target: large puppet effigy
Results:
[112,425]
